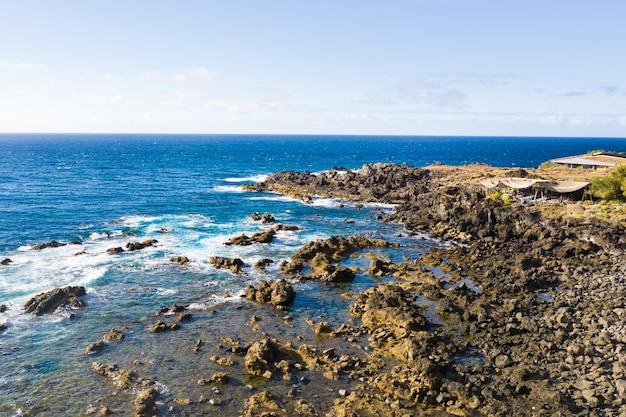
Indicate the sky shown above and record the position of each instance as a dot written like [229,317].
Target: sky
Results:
[385,67]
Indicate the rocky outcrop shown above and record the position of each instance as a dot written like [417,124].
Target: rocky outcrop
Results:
[112,336]
[5,261]
[385,183]
[263,218]
[162,326]
[51,244]
[232,264]
[276,293]
[50,301]
[180,260]
[146,400]
[245,240]
[133,246]
[323,254]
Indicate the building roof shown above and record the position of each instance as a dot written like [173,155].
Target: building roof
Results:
[586,160]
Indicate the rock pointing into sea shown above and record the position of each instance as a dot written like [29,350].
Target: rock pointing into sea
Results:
[50,301]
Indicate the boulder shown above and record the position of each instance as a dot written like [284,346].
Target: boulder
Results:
[258,359]
[263,218]
[180,260]
[49,301]
[276,293]
[5,261]
[232,264]
[145,403]
[133,246]
[261,264]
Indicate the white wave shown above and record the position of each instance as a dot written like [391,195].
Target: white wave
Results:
[166,291]
[326,202]
[229,189]
[275,197]
[253,178]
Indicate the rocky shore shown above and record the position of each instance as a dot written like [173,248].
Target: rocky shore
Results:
[533,300]
[521,314]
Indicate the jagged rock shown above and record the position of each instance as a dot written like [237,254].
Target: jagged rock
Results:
[95,347]
[161,326]
[263,218]
[232,264]
[285,227]
[51,244]
[263,400]
[145,403]
[5,261]
[181,260]
[261,264]
[115,251]
[277,293]
[3,308]
[133,246]
[258,359]
[245,240]
[114,335]
[49,301]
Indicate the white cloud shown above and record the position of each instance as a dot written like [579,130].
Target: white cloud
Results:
[104,100]
[197,73]
[21,66]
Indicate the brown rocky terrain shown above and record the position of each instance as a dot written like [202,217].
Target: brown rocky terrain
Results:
[540,301]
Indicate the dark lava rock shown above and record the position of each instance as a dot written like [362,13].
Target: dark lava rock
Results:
[133,246]
[51,244]
[232,264]
[263,218]
[5,261]
[3,308]
[49,301]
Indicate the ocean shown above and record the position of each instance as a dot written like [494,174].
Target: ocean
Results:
[104,191]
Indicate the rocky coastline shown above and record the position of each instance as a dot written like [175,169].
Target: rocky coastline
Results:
[544,311]
[528,303]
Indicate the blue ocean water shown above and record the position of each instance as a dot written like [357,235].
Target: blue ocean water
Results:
[185,191]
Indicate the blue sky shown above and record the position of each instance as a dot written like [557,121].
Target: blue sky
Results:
[408,67]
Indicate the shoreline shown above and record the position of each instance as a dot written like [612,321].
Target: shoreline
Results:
[530,302]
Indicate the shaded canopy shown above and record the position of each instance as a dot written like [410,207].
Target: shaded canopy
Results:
[521,183]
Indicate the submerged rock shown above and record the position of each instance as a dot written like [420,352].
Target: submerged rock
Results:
[5,261]
[48,302]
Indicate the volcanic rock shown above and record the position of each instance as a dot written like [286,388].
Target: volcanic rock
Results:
[232,264]
[276,293]
[49,301]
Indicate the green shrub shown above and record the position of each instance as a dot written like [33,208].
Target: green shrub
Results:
[611,187]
